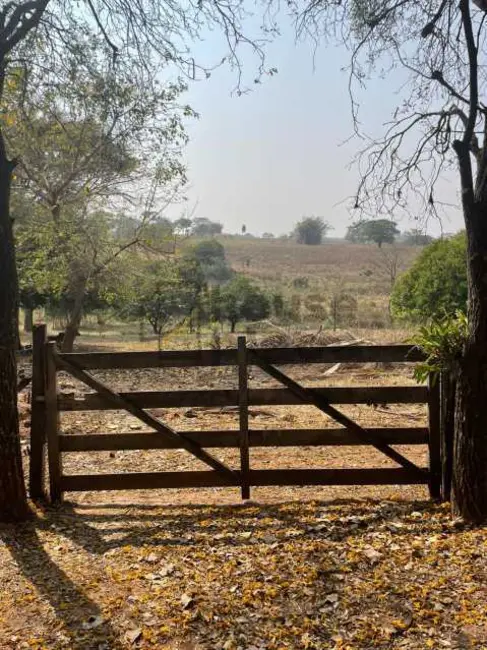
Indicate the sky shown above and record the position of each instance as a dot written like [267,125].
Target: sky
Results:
[283,151]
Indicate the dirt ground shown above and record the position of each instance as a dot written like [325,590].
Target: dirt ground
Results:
[294,568]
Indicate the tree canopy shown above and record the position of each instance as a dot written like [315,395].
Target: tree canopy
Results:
[203,227]
[436,284]
[311,230]
[241,299]
[210,256]
[377,231]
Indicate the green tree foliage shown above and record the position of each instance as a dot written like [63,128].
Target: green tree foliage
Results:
[203,227]
[210,256]
[311,230]
[96,137]
[163,295]
[377,231]
[183,225]
[436,285]
[240,300]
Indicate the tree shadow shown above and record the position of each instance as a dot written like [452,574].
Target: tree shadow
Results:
[107,528]
[80,619]
[220,525]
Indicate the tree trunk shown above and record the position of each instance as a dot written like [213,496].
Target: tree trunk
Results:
[28,320]
[13,501]
[233,325]
[71,330]
[470,444]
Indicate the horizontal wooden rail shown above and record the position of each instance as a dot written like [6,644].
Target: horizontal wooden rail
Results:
[231,439]
[141,481]
[257,397]
[276,356]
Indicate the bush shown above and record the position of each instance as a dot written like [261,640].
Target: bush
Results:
[436,285]
[210,256]
[242,300]
[311,230]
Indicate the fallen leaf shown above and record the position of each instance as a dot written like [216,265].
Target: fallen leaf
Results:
[187,601]
[132,636]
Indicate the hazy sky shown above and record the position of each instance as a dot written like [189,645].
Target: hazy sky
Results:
[269,157]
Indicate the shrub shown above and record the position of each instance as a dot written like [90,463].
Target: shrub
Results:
[436,285]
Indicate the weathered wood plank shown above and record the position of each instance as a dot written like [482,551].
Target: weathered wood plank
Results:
[434,442]
[324,405]
[447,415]
[52,425]
[140,481]
[38,414]
[257,397]
[243,408]
[23,383]
[231,439]
[279,356]
[117,401]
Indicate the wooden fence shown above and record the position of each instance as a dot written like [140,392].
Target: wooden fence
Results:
[47,404]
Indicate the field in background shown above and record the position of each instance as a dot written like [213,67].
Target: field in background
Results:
[306,275]
[359,268]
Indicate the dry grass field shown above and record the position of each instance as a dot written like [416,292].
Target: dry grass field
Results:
[356,267]
[310,275]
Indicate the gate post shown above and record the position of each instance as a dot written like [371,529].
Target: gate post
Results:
[434,437]
[52,425]
[448,391]
[243,404]
[38,414]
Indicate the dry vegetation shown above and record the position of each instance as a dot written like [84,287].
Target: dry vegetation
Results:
[337,262]
[347,574]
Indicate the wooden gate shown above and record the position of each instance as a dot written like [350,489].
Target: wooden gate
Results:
[48,404]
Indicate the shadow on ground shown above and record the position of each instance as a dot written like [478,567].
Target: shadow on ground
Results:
[100,530]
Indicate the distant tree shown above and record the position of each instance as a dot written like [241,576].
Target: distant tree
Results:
[416,237]
[242,300]
[388,264]
[207,251]
[210,255]
[355,233]
[436,284]
[203,227]
[244,229]
[182,226]
[311,230]
[215,304]
[162,297]
[378,231]
[268,235]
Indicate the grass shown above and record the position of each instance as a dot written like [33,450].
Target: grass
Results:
[356,267]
